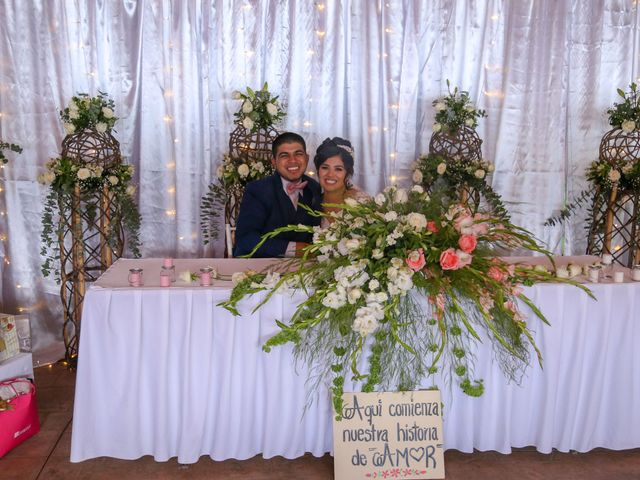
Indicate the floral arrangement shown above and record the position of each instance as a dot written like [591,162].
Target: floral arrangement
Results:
[232,176]
[626,114]
[61,176]
[455,173]
[259,109]
[8,146]
[455,111]
[413,276]
[85,112]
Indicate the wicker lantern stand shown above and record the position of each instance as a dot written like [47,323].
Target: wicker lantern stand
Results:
[615,221]
[85,234]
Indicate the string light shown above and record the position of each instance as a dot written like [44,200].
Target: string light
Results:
[307,123]
[167,118]
[320,33]
[388,30]
[320,6]
[170,213]
[171,165]
[171,190]
[495,17]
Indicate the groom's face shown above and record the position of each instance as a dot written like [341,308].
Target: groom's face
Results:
[290,161]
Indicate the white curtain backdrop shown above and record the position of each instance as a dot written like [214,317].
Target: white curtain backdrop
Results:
[545,71]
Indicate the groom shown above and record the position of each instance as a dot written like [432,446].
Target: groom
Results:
[274,202]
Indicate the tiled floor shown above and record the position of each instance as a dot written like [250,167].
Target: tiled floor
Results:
[46,456]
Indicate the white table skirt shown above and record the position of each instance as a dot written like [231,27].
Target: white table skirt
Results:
[165,372]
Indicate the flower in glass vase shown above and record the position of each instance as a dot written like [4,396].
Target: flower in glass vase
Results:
[455,111]
[259,109]
[87,112]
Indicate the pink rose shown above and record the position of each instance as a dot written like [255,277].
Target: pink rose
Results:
[415,260]
[468,243]
[497,274]
[449,260]
[432,227]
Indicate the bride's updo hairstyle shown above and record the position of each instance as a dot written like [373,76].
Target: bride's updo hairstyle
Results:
[332,147]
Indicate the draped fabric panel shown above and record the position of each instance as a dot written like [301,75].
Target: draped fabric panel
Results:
[545,72]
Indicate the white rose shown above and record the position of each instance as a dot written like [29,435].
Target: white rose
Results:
[49,177]
[69,128]
[469,122]
[436,127]
[377,254]
[74,114]
[131,189]
[491,167]
[97,171]
[247,107]
[247,123]
[440,106]
[417,220]
[236,95]
[417,176]
[614,175]
[107,112]
[272,109]
[442,167]
[397,262]
[73,105]
[470,108]
[220,171]
[479,173]
[374,284]
[243,170]
[259,167]
[379,199]
[352,244]
[390,216]
[101,127]
[238,277]
[185,276]
[113,180]
[353,295]
[401,196]
[132,169]
[417,189]
[628,126]
[84,173]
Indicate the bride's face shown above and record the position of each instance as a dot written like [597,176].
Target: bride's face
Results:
[332,174]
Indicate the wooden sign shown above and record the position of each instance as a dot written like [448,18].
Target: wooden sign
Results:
[389,435]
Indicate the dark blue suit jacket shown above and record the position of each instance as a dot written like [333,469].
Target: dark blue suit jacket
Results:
[265,206]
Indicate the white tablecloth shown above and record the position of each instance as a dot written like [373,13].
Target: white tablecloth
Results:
[165,372]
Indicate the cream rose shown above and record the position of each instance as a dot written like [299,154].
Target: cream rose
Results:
[272,109]
[417,176]
[113,180]
[442,167]
[247,107]
[107,112]
[479,173]
[469,122]
[243,170]
[247,123]
[69,128]
[101,127]
[628,126]
[417,220]
[614,175]
[84,173]
[436,127]
[131,189]
[440,106]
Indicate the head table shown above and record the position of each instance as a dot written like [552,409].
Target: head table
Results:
[168,373]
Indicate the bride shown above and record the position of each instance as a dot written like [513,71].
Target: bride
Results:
[334,164]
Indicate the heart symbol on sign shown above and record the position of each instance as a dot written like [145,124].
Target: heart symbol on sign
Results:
[419,453]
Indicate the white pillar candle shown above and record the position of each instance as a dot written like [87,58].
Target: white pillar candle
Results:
[635,273]
[594,274]
[618,277]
